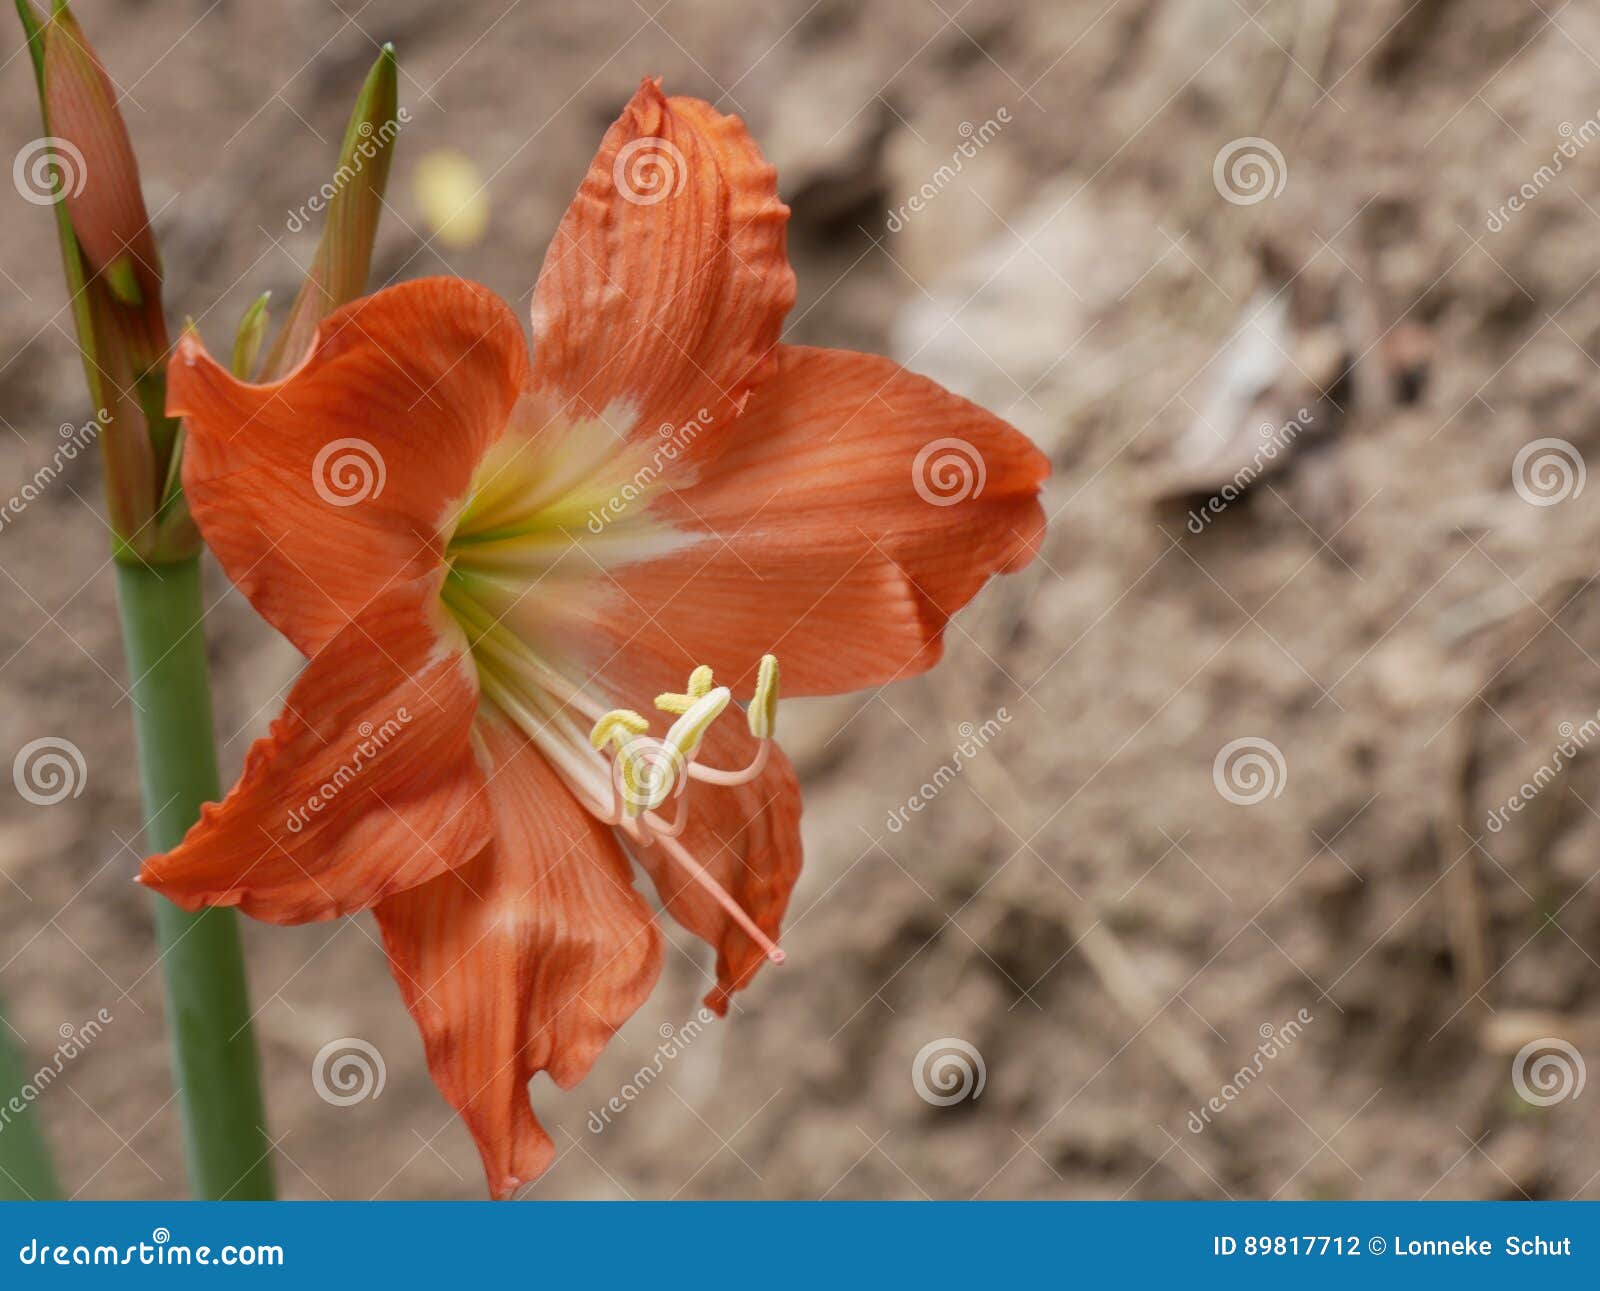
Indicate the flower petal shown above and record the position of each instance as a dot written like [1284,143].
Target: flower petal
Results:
[525,960]
[366,785]
[319,490]
[665,288]
[748,837]
[836,531]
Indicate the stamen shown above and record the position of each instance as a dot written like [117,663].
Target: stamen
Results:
[486,632]
[575,763]
[700,683]
[642,772]
[621,725]
[687,732]
[762,714]
[702,876]
[715,775]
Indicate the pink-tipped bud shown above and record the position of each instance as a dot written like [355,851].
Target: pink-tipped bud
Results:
[108,252]
[98,174]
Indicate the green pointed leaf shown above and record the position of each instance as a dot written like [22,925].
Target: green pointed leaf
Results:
[338,275]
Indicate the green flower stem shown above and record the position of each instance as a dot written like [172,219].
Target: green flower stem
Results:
[25,1170]
[208,1005]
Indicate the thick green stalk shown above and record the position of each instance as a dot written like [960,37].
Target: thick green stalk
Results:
[25,1170]
[208,1006]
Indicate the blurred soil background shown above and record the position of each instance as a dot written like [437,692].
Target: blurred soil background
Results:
[1079,903]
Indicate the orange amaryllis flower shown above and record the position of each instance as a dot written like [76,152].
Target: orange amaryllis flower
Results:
[493,562]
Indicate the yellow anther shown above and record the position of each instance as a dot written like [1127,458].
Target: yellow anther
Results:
[763,711]
[700,683]
[687,732]
[620,725]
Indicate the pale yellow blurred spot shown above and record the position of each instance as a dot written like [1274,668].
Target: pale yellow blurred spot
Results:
[452,196]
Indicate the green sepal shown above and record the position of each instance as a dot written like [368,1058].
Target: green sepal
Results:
[247,340]
[119,276]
